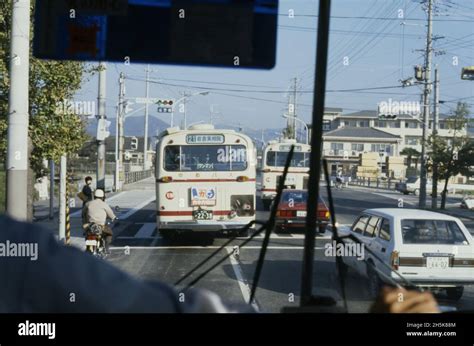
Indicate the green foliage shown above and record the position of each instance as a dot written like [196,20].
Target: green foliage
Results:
[52,132]
[456,156]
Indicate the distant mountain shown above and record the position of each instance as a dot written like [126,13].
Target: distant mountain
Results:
[134,126]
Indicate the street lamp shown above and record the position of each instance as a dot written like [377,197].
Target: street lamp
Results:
[203,93]
[286,116]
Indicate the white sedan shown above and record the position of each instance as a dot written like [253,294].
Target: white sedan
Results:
[431,250]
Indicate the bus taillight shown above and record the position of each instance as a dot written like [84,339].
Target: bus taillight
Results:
[242,178]
[166,179]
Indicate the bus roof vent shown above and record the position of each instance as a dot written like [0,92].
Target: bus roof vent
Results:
[201,127]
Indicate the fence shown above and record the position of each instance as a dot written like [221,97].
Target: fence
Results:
[378,183]
[132,177]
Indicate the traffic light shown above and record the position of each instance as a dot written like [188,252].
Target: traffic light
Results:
[419,73]
[134,143]
[387,116]
[103,129]
[164,103]
[165,106]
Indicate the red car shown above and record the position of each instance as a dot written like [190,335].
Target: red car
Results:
[291,211]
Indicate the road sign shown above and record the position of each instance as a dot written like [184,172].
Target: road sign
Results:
[145,100]
[225,33]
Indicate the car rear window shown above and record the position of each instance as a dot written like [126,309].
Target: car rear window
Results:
[296,197]
[432,232]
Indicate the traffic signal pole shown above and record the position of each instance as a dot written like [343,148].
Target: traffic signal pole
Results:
[101,116]
[145,138]
[18,107]
[426,106]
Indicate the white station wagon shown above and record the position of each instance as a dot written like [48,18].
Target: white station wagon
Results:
[431,250]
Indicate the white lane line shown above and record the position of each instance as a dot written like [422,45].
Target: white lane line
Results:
[281,237]
[243,284]
[146,230]
[209,247]
[79,212]
[395,197]
[137,208]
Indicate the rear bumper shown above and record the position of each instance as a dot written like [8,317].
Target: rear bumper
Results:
[437,283]
[298,223]
[202,226]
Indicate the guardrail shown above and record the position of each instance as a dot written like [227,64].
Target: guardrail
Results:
[378,183]
[133,177]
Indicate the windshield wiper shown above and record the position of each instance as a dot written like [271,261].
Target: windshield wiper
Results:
[267,226]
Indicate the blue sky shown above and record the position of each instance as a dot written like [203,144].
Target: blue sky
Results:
[378,50]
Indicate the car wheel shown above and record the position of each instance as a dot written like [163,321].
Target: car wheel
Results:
[322,229]
[417,192]
[343,269]
[266,204]
[375,284]
[405,192]
[243,233]
[455,293]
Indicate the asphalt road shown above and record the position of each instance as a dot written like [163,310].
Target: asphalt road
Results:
[140,250]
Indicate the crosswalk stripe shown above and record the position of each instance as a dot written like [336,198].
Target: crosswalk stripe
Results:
[146,230]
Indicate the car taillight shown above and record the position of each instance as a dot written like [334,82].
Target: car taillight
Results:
[242,178]
[286,213]
[395,260]
[166,179]
[323,214]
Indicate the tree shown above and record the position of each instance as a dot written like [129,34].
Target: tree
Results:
[53,130]
[411,153]
[451,155]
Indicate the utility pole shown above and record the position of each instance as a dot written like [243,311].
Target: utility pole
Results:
[145,139]
[184,109]
[426,104]
[100,178]
[62,198]
[17,147]
[51,189]
[294,108]
[434,189]
[119,132]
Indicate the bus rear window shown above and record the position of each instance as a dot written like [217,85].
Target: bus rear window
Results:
[200,158]
[278,159]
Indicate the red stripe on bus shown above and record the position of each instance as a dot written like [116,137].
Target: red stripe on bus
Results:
[188,213]
[202,180]
[288,172]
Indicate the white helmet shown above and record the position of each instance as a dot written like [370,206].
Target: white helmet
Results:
[99,193]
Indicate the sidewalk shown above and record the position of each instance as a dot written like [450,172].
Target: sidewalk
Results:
[452,209]
[134,197]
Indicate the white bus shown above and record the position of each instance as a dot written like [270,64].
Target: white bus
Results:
[273,163]
[205,180]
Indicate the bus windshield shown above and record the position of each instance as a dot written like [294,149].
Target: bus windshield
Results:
[278,159]
[199,158]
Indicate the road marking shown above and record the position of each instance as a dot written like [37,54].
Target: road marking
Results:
[243,284]
[136,208]
[210,247]
[395,197]
[146,230]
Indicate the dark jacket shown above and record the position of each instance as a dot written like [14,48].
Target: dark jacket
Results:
[65,279]
[86,190]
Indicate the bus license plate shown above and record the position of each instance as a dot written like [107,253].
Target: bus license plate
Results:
[301,213]
[202,215]
[437,262]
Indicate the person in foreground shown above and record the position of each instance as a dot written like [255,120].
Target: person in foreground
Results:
[400,300]
[56,278]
